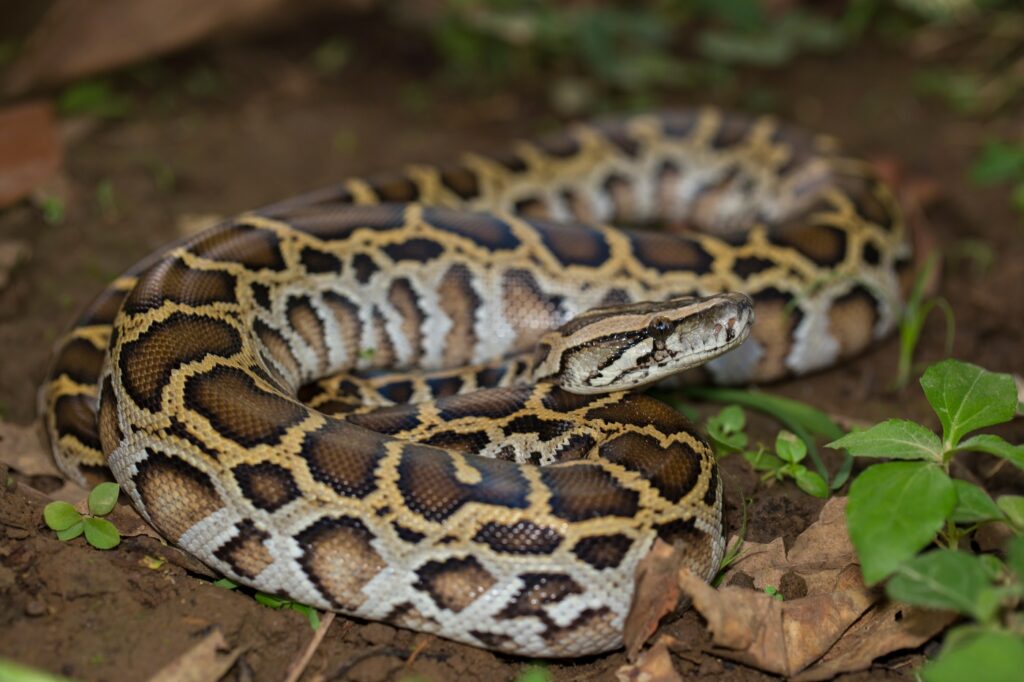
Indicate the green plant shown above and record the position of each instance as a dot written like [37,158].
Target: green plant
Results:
[726,430]
[69,523]
[1002,162]
[898,508]
[919,307]
[785,463]
[274,602]
[94,98]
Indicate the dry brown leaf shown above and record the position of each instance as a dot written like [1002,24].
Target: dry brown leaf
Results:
[657,594]
[207,661]
[653,665]
[22,449]
[30,149]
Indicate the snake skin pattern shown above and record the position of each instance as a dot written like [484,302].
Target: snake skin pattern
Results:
[325,398]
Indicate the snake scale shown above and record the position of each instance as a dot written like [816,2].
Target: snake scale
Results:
[408,398]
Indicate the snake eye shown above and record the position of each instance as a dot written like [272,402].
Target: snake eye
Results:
[659,328]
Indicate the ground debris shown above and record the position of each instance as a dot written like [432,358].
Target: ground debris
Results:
[207,661]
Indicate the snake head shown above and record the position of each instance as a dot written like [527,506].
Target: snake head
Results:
[627,346]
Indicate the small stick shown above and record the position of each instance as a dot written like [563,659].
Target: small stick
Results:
[296,669]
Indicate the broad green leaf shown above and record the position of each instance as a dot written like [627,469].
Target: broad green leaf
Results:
[973,504]
[895,439]
[535,673]
[811,483]
[967,397]
[785,410]
[992,656]
[71,532]
[1015,557]
[103,498]
[994,445]
[761,460]
[999,162]
[270,600]
[894,511]
[60,515]
[101,533]
[789,448]
[732,418]
[1013,507]
[942,579]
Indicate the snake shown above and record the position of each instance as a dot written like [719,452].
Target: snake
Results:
[414,398]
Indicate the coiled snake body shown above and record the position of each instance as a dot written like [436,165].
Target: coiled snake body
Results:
[389,398]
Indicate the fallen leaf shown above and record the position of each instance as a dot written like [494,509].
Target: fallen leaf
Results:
[207,661]
[21,448]
[656,594]
[30,149]
[653,665]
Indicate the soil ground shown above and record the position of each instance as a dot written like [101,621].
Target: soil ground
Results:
[275,128]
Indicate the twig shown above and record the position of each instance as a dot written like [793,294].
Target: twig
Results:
[416,651]
[296,669]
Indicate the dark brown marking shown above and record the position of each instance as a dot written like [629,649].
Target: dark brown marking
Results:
[416,249]
[521,537]
[268,485]
[852,319]
[344,458]
[79,361]
[397,188]
[364,267]
[278,349]
[673,470]
[582,490]
[317,262]
[109,429]
[403,298]
[461,181]
[538,591]
[481,228]
[254,248]
[823,244]
[238,409]
[246,553]
[346,315]
[459,302]
[751,265]
[603,551]
[455,583]
[339,558]
[175,494]
[148,362]
[172,280]
[669,253]
[574,244]
[339,222]
[529,310]
[407,534]
[75,415]
[303,318]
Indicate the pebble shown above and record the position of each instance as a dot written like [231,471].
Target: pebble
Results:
[35,608]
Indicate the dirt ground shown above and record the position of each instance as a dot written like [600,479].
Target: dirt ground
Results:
[276,128]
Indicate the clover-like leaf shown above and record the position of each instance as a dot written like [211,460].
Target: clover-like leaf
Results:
[101,533]
[894,511]
[103,498]
[994,445]
[895,439]
[967,397]
[60,515]
[944,579]
[811,483]
[998,655]
[72,531]
[973,504]
[790,448]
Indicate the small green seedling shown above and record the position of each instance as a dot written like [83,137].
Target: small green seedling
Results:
[774,593]
[274,602]
[726,430]
[785,463]
[69,523]
[919,307]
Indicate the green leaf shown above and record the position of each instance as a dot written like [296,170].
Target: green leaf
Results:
[101,533]
[225,583]
[732,418]
[60,515]
[726,428]
[811,483]
[761,460]
[942,579]
[1013,507]
[71,532]
[967,397]
[790,448]
[790,412]
[894,511]
[999,162]
[1015,557]
[270,600]
[994,445]
[103,498]
[973,504]
[992,656]
[308,611]
[895,439]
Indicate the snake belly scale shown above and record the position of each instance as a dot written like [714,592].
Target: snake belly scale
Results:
[407,398]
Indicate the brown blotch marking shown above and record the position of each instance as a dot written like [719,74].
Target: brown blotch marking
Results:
[340,560]
[462,181]
[711,494]
[563,401]
[75,415]
[332,222]
[238,409]
[252,247]
[459,302]
[751,265]
[455,583]
[402,296]
[546,429]
[598,623]
[398,188]
[521,537]
[147,363]
[539,590]
[681,532]
[574,244]
[388,420]
[581,491]
[246,553]
[344,458]
[467,443]
[427,482]
[615,297]
[493,640]
[852,319]
[529,310]
[416,249]
[278,349]
[777,319]
[384,354]
[493,403]
[531,208]
[303,319]
[669,253]
[266,485]
[346,315]
[316,261]
[603,551]
[364,267]
[484,229]
[643,410]
[109,430]
[104,308]
[578,446]
[406,615]
[175,494]
[823,244]
[80,361]
[673,470]
[172,280]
